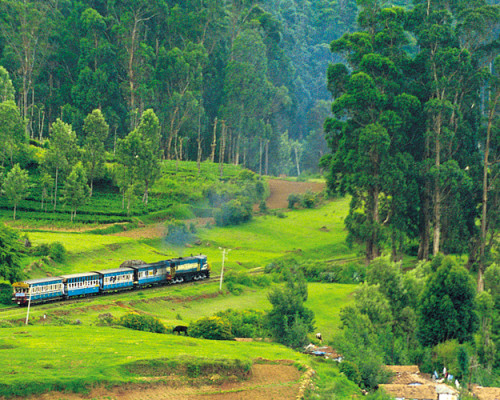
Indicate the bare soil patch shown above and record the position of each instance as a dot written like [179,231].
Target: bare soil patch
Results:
[268,381]
[281,189]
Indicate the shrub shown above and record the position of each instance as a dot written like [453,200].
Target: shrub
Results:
[351,371]
[308,199]
[142,323]
[263,207]
[293,198]
[215,328]
[57,252]
[5,292]
[233,212]
[41,250]
[105,319]
[244,323]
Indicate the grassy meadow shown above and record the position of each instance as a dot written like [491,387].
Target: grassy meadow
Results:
[104,353]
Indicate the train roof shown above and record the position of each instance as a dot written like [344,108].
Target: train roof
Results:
[79,275]
[197,257]
[41,280]
[114,270]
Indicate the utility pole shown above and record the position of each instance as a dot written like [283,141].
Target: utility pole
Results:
[29,304]
[222,270]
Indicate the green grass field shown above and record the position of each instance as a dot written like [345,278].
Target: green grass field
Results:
[47,344]
[103,353]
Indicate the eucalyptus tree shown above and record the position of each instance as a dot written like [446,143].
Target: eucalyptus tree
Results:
[97,83]
[6,87]
[140,152]
[130,25]
[12,131]
[454,43]
[16,186]
[179,85]
[76,192]
[96,131]
[371,129]
[25,27]
[62,153]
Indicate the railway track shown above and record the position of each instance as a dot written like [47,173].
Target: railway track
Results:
[89,299]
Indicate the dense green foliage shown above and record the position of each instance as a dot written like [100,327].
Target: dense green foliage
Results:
[429,316]
[145,323]
[244,323]
[289,321]
[10,254]
[247,71]
[215,328]
[5,292]
[409,127]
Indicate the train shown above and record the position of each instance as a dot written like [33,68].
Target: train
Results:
[128,276]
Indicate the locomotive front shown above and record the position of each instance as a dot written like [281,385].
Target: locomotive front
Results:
[20,293]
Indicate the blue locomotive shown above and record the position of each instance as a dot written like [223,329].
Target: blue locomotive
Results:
[176,270]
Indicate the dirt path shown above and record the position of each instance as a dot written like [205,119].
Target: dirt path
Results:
[280,190]
[268,381]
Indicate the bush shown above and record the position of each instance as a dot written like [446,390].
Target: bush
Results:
[105,319]
[244,323]
[233,212]
[351,371]
[308,199]
[57,252]
[215,328]
[5,292]
[293,198]
[263,207]
[42,250]
[142,323]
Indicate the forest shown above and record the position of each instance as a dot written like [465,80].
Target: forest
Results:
[248,74]
[123,103]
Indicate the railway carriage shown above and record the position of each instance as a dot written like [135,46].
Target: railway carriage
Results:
[38,290]
[116,279]
[82,284]
[151,274]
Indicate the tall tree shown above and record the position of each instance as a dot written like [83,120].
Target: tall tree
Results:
[289,321]
[140,151]
[96,131]
[61,154]
[6,87]
[12,131]
[130,19]
[16,186]
[25,27]
[490,214]
[448,308]
[76,192]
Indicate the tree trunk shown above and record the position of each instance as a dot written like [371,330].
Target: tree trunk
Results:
[484,212]
[15,208]
[198,140]
[172,133]
[437,188]
[260,156]
[214,142]
[237,156]
[267,157]
[222,148]
[55,189]
[146,193]
[297,160]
